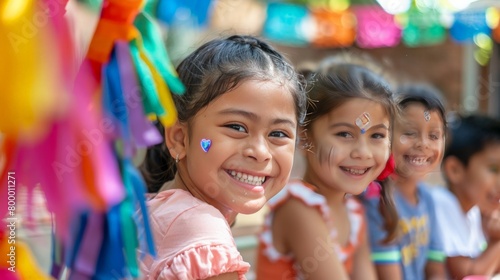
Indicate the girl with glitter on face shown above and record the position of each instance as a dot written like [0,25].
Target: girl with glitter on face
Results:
[316,229]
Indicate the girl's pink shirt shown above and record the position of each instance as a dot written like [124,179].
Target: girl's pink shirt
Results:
[192,240]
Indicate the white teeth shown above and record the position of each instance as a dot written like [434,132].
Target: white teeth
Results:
[418,160]
[355,171]
[248,179]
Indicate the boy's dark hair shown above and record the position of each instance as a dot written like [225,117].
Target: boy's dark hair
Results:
[213,69]
[470,135]
[425,94]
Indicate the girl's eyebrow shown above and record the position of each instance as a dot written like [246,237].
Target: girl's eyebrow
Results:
[255,117]
[383,126]
[246,114]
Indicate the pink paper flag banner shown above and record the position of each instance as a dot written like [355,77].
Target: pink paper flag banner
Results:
[376,28]
[95,131]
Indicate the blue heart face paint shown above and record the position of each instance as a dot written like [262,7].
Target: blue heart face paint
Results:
[205,144]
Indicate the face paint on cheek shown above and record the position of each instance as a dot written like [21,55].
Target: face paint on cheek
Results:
[325,155]
[205,144]
[404,139]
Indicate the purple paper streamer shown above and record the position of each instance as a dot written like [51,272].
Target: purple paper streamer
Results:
[143,132]
[90,246]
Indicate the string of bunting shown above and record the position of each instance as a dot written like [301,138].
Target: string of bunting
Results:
[341,23]
[370,26]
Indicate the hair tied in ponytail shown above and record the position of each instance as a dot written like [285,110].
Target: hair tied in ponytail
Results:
[390,166]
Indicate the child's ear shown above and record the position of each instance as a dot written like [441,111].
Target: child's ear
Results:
[175,139]
[453,170]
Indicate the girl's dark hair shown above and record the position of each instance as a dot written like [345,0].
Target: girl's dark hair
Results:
[387,208]
[425,94]
[213,69]
[337,80]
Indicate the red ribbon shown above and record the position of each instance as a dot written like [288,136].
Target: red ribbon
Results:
[390,166]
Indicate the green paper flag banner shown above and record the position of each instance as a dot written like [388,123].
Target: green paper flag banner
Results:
[423,29]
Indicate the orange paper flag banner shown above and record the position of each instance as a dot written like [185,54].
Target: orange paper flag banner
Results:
[116,23]
[333,28]
[496,31]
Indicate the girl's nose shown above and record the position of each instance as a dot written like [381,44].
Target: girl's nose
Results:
[422,142]
[258,149]
[362,150]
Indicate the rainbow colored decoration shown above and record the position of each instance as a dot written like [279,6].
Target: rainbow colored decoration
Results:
[130,75]
[75,133]
[376,28]
[298,22]
[333,29]
[33,98]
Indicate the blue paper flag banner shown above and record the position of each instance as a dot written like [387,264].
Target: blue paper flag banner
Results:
[174,11]
[469,24]
[288,23]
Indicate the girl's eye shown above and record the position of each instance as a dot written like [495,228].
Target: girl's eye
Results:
[278,134]
[434,137]
[344,134]
[237,127]
[411,134]
[378,136]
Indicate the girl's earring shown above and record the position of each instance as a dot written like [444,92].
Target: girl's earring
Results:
[177,159]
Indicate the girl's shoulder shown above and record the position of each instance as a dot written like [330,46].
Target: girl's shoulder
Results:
[176,200]
[302,192]
[178,208]
[193,239]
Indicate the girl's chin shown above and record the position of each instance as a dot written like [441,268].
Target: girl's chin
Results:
[249,207]
[409,173]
